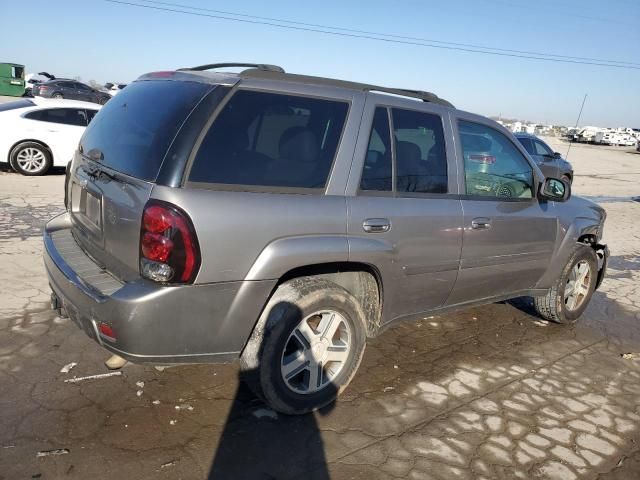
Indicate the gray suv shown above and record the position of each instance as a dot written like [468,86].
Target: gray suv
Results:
[283,219]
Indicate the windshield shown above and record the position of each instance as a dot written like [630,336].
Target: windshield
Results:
[134,130]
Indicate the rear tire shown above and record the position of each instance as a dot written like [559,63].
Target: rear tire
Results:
[30,159]
[305,327]
[57,96]
[569,297]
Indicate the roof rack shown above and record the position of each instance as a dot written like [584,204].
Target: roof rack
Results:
[417,94]
[405,92]
[259,66]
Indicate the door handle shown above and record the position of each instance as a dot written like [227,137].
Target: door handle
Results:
[376,225]
[481,223]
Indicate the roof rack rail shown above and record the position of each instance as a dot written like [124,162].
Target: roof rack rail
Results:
[259,66]
[405,92]
[365,87]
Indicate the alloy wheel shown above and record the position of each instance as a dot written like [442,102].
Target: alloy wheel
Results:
[316,351]
[578,284]
[31,159]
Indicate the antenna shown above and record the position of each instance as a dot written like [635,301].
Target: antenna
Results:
[577,122]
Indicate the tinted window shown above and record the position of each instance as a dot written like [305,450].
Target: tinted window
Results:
[527,144]
[15,105]
[81,86]
[377,171]
[135,128]
[271,140]
[65,116]
[541,148]
[421,161]
[493,165]
[90,114]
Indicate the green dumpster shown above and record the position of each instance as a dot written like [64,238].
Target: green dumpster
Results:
[11,79]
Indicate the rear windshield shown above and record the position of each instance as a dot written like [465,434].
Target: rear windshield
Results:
[134,129]
[15,105]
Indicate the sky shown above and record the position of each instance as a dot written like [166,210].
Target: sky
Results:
[103,41]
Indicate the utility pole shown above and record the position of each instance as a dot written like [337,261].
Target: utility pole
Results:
[577,122]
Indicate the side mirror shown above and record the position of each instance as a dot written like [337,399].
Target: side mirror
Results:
[557,155]
[555,190]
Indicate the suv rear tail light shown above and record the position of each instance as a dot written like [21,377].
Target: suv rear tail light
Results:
[169,251]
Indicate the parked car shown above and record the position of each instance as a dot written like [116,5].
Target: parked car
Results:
[71,89]
[32,79]
[283,219]
[38,134]
[551,163]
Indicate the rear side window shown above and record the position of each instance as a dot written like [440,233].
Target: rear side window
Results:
[421,161]
[493,166]
[270,140]
[135,128]
[65,116]
[378,172]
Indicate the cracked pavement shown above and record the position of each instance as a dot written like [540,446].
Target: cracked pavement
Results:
[489,392]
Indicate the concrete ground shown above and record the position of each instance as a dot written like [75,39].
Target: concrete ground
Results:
[490,392]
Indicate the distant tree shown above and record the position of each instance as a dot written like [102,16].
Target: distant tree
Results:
[94,84]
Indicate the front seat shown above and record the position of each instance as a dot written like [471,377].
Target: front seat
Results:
[297,163]
[408,166]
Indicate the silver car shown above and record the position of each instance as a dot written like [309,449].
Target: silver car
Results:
[281,220]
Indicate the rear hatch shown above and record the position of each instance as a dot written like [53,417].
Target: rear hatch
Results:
[116,166]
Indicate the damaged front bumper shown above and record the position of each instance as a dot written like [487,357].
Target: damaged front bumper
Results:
[602,252]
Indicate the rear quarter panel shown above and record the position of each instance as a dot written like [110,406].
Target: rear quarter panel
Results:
[234,229]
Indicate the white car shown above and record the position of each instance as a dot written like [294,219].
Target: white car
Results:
[39,133]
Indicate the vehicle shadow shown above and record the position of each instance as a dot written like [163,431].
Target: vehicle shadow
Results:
[5,167]
[258,443]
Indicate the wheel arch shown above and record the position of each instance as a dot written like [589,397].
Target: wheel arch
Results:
[33,140]
[583,230]
[361,280]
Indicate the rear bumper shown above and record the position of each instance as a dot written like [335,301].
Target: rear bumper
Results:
[154,323]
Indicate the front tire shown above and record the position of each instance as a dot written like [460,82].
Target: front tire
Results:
[57,96]
[30,159]
[571,294]
[306,346]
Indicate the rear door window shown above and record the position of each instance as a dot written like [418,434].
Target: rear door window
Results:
[270,140]
[378,171]
[135,128]
[421,161]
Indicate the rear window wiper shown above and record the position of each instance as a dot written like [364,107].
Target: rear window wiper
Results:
[96,173]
